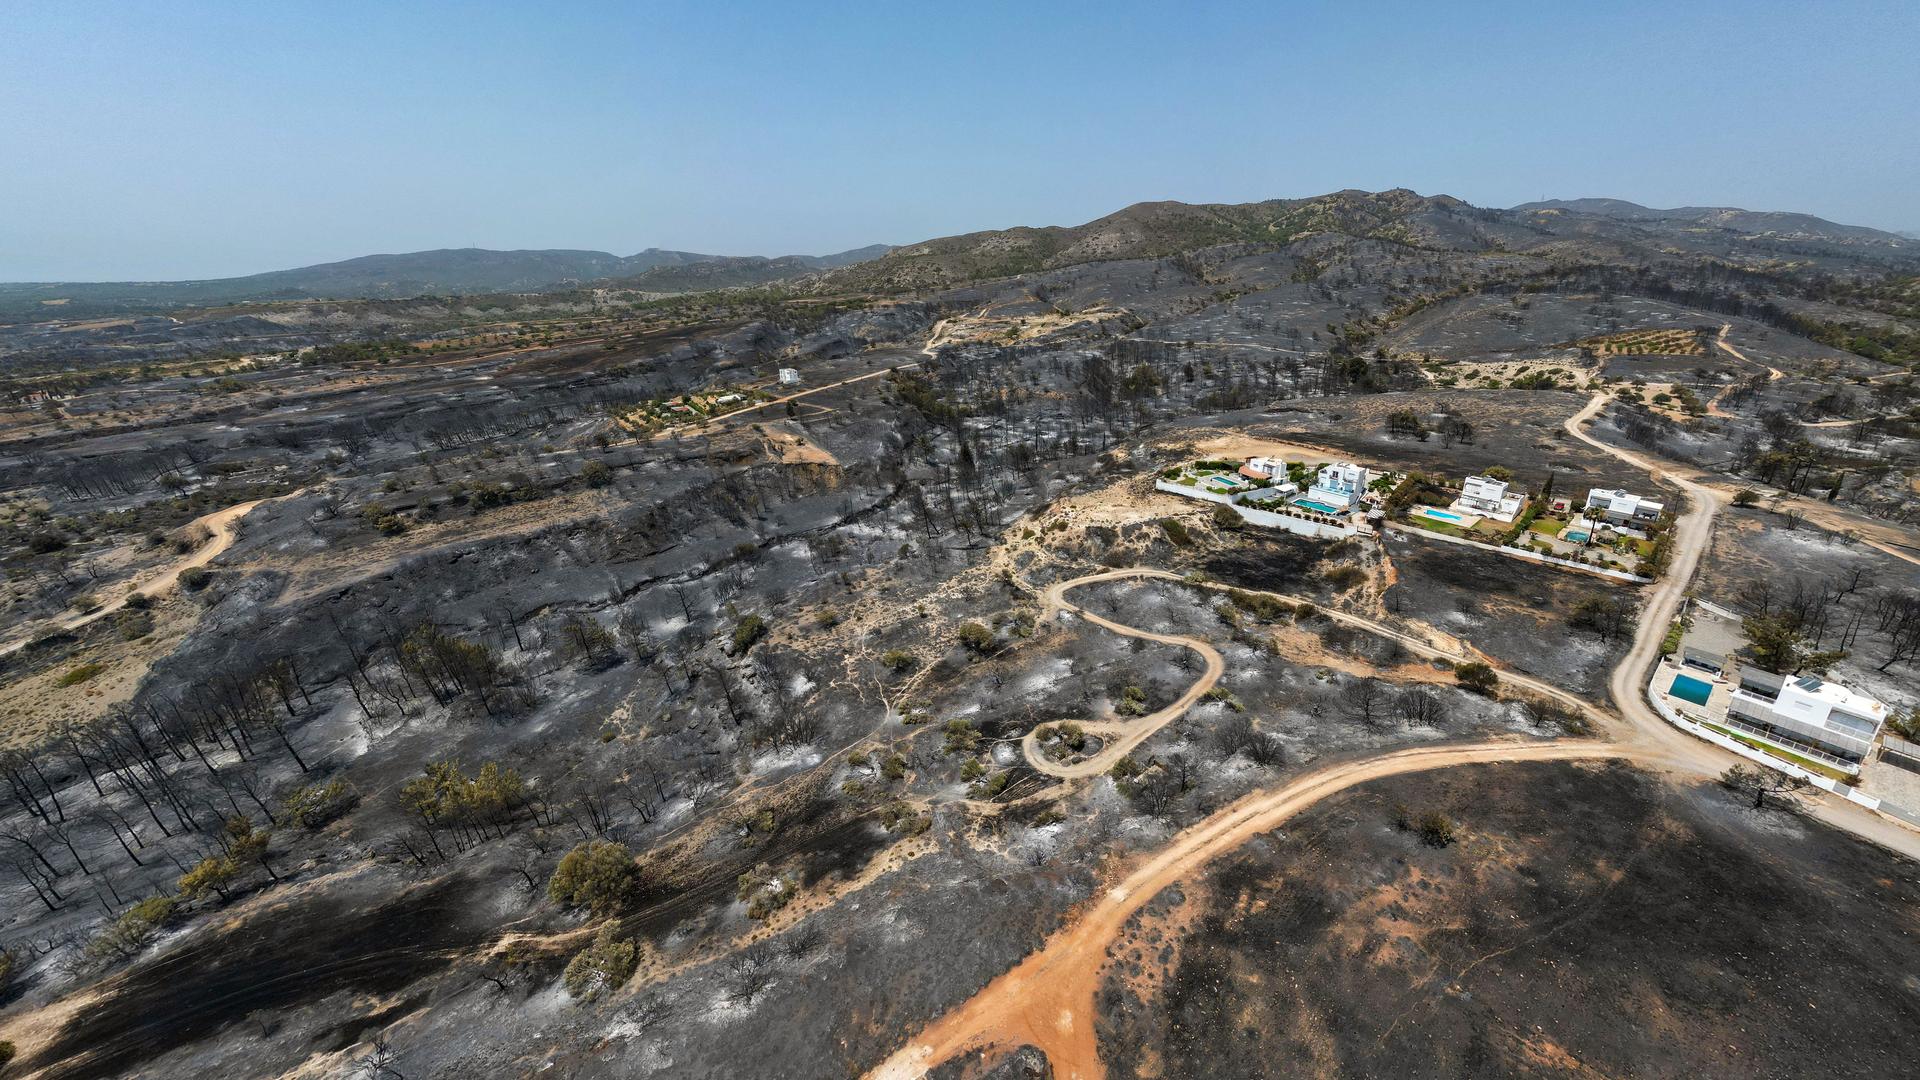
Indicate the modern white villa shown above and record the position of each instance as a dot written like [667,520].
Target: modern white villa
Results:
[1264,468]
[1336,488]
[1621,507]
[1804,712]
[789,376]
[1486,497]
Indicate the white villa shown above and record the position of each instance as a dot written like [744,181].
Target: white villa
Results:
[789,376]
[1620,507]
[1338,485]
[1263,468]
[1806,713]
[1487,497]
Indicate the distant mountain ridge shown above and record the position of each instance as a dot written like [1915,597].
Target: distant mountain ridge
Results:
[444,271]
[1758,222]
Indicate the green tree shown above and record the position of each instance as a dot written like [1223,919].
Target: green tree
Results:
[598,875]
[602,967]
[134,930]
[211,874]
[1779,646]
[1746,497]
[1477,677]
[975,637]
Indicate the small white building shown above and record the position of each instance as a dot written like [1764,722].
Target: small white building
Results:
[1622,507]
[1338,485]
[1487,497]
[1263,468]
[1807,713]
[789,376]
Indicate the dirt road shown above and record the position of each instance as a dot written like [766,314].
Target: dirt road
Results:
[223,527]
[1123,735]
[1048,1000]
[1120,736]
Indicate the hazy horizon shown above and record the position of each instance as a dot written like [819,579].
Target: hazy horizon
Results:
[217,140]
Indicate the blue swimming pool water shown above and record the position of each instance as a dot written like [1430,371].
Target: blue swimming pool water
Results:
[1577,537]
[1311,505]
[1688,688]
[1441,514]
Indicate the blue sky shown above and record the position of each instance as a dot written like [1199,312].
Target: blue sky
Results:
[163,140]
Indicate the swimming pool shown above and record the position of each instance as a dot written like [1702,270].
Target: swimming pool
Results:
[1311,505]
[1688,688]
[1441,514]
[1577,537]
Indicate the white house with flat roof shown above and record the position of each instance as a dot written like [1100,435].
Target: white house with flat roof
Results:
[1486,497]
[1264,468]
[1622,507]
[789,376]
[1806,711]
[1338,485]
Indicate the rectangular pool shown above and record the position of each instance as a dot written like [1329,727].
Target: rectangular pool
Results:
[1441,514]
[1688,688]
[1577,537]
[1320,506]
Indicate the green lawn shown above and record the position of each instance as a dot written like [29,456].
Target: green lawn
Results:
[1431,525]
[1547,526]
[1806,763]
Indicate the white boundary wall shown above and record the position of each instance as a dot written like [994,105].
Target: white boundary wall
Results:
[1521,553]
[1264,518]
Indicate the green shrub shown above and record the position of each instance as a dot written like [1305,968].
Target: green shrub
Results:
[898,661]
[598,875]
[317,804]
[602,967]
[750,629]
[134,930]
[195,578]
[80,674]
[1345,577]
[1477,677]
[975,637]
[961,737]
[1436,829]
[1176,532]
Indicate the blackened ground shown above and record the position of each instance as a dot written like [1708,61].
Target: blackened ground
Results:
[1590,920]
[1513,610]
[268,961]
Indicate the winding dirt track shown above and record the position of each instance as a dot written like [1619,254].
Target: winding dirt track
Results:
[224,527]
[1048,999]
[1123,735]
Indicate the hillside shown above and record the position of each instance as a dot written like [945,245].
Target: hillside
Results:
[446,271]
[1761,223]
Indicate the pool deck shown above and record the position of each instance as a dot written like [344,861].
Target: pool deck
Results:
[1447,517]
